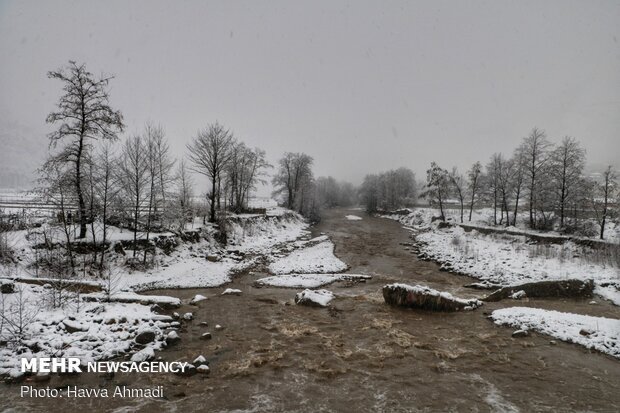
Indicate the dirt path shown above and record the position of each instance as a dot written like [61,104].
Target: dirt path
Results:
[362,355]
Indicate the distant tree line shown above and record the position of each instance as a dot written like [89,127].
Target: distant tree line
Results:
[388,190]
[542,178]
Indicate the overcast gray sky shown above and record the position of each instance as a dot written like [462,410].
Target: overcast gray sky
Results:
[362,86]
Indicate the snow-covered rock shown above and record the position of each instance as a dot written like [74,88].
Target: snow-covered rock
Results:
[314,298]
[197,298]
[231,291]
[419,296]
[200,360]
[203,369]
[72,326]
[145,335]
[144,355]
[543,289]
[172,338]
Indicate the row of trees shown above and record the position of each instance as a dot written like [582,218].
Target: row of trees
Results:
[233,169]
[94,182]
[544,178]
[389,190]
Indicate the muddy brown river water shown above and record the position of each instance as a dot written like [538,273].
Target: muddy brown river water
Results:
[360,355]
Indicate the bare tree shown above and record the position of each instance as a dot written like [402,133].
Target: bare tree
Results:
[209,153]
[293,178]
[535,149]
[493,180]
[602,197]
[83,114]
[184,193]
[132,176]
[567,160]
[473,184]
[458,183]
[518,177]
[17,312]
[107,192]
[437,186]
[245,169]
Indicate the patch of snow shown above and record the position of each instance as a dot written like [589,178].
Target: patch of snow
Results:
[259,234]
[318,258]
[131,297]
[353,218]
[307,280]
[231,291]
[609,292]
[599,333]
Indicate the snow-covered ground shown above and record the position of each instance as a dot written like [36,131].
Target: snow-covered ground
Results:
[96,332]
[317,258]
[258,234]
[511,259]
[599,333]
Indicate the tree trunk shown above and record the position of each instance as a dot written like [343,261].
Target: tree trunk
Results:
[212,213]
[78,189]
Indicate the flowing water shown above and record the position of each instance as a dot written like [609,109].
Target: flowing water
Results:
[361,355]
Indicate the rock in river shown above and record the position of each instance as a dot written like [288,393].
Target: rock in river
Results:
[543,289]
[419,296]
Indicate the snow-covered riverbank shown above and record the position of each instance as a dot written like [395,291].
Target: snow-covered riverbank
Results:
[509,259]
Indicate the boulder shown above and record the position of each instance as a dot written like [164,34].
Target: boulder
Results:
[200,360]
[232,291]
[419,296]
[197,298]
[314,298]
[187,371]
[145,336]
[72,326]
[544,289]
[143,355]
[7,287]
[172,338]
[520,333]
[188,316]
[203,369]
[206,336]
